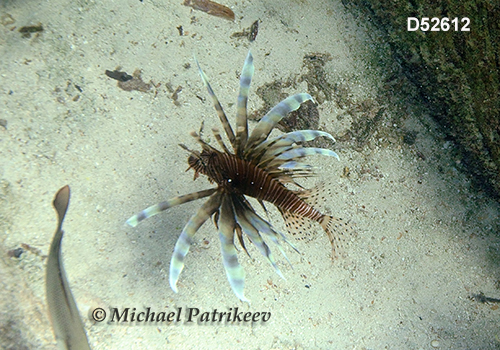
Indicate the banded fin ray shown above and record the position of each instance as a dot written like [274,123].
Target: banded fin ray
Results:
[265,227]
[304,152]
[203,144]
[227,226]
[291,154]
[294,165]
[289,139]
[158,208]
[253,233]
[305,135]
[295,153]
[241,105]
[220,111]
[269,121]
[290,143]
[290,175]
[185,239]
[219,140]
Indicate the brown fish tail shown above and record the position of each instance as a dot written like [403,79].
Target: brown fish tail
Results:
[337,231]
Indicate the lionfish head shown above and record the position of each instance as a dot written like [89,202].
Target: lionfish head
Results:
[202,162]
[195,162]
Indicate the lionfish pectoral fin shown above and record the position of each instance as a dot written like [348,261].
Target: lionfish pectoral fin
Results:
[289,139]
[239,234]
[287,142]
[293,165]
[234,271]
[185,239]
[338,232]
[241,211]
[265,227]
[158,208]
[215,218]
[293,154]
[263,206]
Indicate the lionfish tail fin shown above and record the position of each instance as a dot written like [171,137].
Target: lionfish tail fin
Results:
[338,232]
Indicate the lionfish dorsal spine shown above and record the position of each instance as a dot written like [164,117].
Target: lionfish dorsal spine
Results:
[218,107]
[206,146]
[241,104]
[271,147]
[219,140]
[273,117]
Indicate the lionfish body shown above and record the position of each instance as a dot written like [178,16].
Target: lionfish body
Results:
[258,167]
[234,175]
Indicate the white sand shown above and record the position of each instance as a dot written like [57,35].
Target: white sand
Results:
[427,240]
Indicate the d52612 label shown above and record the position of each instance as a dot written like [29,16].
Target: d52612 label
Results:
[436,24]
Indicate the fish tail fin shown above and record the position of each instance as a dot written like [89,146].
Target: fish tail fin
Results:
[338,232]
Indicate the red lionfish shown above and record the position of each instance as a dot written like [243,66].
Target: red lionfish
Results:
[258,167]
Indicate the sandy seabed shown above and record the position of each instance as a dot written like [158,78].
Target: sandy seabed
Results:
[427,238]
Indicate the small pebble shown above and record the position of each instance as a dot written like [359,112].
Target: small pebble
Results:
[205,244]
[15,253]
[7,19]
[435,343]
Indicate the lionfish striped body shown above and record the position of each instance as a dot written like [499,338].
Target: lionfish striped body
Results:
[258,167]
[242,177]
